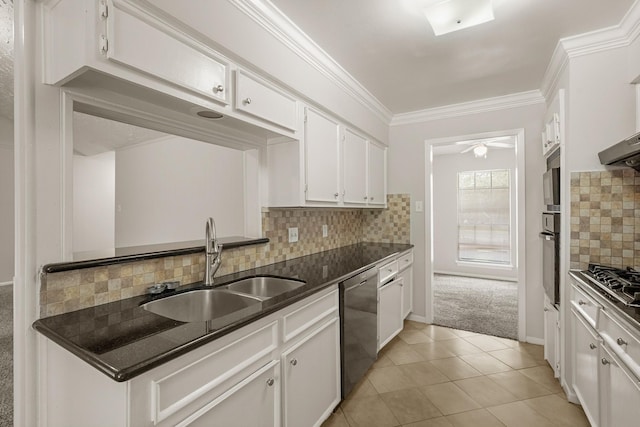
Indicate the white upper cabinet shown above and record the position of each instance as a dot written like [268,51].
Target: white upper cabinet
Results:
[322,157]
[259,99]
[133,41]
[355,168]
[377,173]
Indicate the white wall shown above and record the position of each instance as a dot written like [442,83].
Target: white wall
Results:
[6,200]
[408,173]
[94,189]
[445,208]
[165,190]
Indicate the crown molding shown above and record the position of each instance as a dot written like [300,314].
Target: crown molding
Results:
[613,37]
[467,108]
[269,17]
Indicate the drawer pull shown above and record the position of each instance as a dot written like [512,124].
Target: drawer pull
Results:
[247,101]
[294,362]
[580,302]
[592,346]
[620,341]
[270,382]
[605,361]
[217,89]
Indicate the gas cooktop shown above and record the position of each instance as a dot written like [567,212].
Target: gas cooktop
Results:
[621,284]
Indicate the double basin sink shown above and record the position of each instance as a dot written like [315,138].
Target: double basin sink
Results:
[202,305]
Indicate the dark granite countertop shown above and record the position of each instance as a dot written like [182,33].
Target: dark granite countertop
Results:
[112,256]
[123,340]
[631,314]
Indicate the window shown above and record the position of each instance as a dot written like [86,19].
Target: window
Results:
[484,217]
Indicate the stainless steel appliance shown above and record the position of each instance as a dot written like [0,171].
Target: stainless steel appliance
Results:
[358,327]
[620,285]
[551,188]
[551,255]
[624,153]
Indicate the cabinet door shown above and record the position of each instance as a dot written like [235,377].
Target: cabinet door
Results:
[390,319]
[136,43]
[322,152]
[260,391]
[355,168]
[259,100]
[585,368]
[551,336]
[377,175]
[311,372]
[407,291]
[621,393]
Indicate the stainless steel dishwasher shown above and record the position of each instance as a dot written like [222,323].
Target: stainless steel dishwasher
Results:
[358,326]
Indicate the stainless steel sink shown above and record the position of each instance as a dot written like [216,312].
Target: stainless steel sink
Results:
[202,304]
[264,287]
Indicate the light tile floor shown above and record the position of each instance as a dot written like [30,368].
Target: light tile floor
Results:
[435,376]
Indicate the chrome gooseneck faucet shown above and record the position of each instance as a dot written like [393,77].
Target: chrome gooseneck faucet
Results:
[213,252]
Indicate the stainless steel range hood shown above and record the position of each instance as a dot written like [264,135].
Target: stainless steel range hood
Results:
[624,153]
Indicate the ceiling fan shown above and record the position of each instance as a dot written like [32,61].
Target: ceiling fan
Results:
[480,147]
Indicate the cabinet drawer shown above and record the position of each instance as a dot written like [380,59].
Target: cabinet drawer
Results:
[135,42]
[621,341]
[259,100]
[299,320]
[586,306]
[405,260]
[173,392]
[387,271]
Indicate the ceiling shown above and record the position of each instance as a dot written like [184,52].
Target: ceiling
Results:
[389,47]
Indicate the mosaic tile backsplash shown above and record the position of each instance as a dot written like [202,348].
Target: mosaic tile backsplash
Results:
[72,290]
[605,218]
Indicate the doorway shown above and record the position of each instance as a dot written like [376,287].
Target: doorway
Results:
[477,228]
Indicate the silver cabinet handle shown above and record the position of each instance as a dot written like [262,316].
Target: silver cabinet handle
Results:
[545,309]
[217,89]
[620,341]
[371,198]
[365,197]
[580,302]
[247,101]
[592,346]
[294,362]
[336,195]
[605,361]
[270,382]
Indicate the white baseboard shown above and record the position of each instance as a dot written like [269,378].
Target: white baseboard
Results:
[416,318]
[6,283]
[535,340]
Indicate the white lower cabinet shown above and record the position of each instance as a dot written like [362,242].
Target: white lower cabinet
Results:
[390,315]
[311,364]
[620,393]
[552,336]
[281,369]
[261,389]
[585,367]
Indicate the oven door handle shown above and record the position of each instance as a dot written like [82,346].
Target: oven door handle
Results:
[547,236]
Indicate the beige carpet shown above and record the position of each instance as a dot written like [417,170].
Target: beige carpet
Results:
[6,356]
[477,305]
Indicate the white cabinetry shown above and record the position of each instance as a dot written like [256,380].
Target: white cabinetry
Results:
[312,364]
[322,157]
[377,175]
[390,307]
[551,336]
[240,379]
[256,97]
[355,168]
[585,366]
[405,272]
[605,355]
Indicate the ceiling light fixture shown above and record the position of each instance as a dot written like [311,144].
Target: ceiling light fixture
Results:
[480,150]
[451,15]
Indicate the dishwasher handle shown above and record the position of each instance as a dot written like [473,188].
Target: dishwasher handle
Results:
[357,285]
